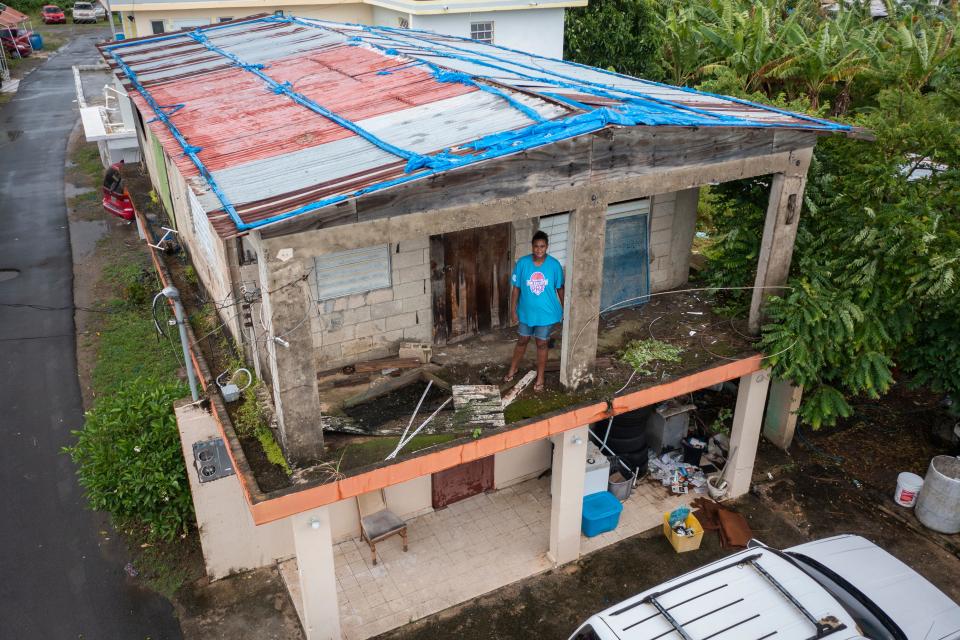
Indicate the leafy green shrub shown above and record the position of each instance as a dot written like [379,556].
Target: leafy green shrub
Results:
[129,460]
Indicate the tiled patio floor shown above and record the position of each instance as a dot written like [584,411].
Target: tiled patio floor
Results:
[466,550]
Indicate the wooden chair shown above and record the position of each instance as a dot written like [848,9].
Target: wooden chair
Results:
[377,522]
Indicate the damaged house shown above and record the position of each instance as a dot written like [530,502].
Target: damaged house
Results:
[358,190]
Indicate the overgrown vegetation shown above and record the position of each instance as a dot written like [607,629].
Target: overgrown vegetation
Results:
[874,283]
[128,451]
[640,353]
[249,421]
[129,459]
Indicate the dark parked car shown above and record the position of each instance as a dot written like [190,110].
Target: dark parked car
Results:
[52,14]
[16,42]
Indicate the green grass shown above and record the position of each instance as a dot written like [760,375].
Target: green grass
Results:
[129,345]
[87,159]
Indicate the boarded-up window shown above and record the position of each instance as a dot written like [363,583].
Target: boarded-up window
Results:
[556,229]
[354,271]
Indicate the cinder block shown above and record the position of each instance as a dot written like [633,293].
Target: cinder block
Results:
[354,316]
[380,295]
[409,290]
[371,327]
[421,350]
[357,300]
[401,321]
[331,321]
[389,339]
[665,197]
[355,348]
[384,309]
[417,303]
[659,237]
[421,332]
[407,259]
[421,242]
[659,250]
[660,223]
[409,274]
[329,353]
[342,335]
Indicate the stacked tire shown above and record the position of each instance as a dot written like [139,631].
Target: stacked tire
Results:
[628,438]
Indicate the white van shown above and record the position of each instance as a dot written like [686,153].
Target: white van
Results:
[841,588]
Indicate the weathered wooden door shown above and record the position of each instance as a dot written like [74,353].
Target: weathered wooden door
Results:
[470,281]
[462,481]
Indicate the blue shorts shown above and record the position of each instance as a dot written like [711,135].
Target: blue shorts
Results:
[540,333]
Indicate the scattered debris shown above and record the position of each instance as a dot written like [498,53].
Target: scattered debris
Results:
[131,570]
[522,384]
[672,472]
[478,405]
[639,353]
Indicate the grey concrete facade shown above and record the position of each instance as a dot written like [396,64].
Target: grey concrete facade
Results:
[372,324]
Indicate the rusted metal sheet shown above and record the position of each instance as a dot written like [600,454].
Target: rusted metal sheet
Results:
[462,482]
[272,117]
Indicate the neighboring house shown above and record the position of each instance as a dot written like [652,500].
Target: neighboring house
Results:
[536,27]
[342,189]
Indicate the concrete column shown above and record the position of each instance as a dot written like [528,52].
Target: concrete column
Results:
[779,233]
[584,279]
[287,305]
[745,433]
[566,494]
[780,421]
[313,543]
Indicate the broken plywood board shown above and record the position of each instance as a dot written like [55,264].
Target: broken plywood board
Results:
[519,387]
[478,405]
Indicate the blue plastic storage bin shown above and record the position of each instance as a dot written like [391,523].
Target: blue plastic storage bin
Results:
[601,513]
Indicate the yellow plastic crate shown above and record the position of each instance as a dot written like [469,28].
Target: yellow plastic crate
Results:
[683,543]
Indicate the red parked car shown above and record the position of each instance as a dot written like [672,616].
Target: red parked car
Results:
[52,14]
[16,42]
[115,198]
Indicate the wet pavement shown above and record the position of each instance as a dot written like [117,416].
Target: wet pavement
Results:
[62,565]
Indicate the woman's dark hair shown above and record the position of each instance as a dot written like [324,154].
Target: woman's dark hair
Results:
[540,235]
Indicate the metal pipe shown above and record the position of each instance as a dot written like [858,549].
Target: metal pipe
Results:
[171,293]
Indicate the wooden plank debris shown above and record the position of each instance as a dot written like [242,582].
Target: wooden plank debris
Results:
[523,383]
[478,405]
[373,366]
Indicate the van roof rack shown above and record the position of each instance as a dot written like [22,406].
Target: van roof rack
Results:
[823,627]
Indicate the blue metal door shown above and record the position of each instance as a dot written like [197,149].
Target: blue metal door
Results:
[626,266]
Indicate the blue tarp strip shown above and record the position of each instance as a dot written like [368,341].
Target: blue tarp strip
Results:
[285,88]
[189,150]
[653,111]
[822,123]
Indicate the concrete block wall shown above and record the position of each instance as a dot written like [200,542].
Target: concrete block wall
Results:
[673,223]
[368,325]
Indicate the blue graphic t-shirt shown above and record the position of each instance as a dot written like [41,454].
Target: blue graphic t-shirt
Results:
[538,305]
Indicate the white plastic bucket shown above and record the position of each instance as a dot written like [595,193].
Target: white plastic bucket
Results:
[908,486]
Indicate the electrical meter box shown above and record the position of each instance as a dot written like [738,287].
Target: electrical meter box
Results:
[211,459]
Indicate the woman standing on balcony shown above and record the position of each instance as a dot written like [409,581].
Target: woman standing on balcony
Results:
[536,304]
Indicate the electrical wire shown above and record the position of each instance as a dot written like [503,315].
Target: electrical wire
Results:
[44,307]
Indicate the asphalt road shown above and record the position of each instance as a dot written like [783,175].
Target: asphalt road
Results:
[61,566]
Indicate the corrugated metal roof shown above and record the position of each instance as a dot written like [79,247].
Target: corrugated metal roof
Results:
[271,117]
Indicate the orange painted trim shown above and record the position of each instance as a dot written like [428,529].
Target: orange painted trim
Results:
[293,503]
[687,384]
